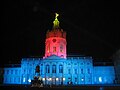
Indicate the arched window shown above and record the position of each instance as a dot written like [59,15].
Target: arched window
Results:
[37,70]
[60,68]
[48,48]
[54,69]
[61,48]
[54,49]
[47,69]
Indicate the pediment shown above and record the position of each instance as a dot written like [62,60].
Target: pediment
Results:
[55,57]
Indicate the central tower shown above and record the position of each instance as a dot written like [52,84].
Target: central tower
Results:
[55,43]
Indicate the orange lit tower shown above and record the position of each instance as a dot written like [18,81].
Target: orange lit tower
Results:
[55,43]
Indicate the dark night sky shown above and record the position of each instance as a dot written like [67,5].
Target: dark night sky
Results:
[92,27]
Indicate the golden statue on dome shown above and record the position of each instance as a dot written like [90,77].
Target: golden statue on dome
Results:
[56,15]
[56,22]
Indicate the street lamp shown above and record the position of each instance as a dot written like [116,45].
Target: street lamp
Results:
[63,80]
[43,79]
[50,79]
[56,80]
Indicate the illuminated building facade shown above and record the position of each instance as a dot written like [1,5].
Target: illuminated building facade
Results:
[58,69]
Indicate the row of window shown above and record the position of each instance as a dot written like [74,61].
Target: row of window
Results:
[81,71]
[54,48]
[47,70]
[69,64]
[12,79]
[12,71]
[54,69]
[81,79]
[61,70]
[80,64]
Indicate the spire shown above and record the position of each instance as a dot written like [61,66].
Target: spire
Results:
[56,22]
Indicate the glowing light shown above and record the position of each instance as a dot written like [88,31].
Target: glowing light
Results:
[48,51]
[50,79]
[82,79]
[23,79]
[56,79]
[43,79]
[100,79]
[63,79]
[29,80]
[39,78]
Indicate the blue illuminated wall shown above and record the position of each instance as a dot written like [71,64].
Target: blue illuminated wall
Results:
[104,74]
[60,71]
[12,75]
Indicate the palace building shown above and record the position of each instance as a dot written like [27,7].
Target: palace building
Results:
[56,68]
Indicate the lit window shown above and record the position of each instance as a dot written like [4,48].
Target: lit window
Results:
[48,48]
[54,49]
[61,48]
